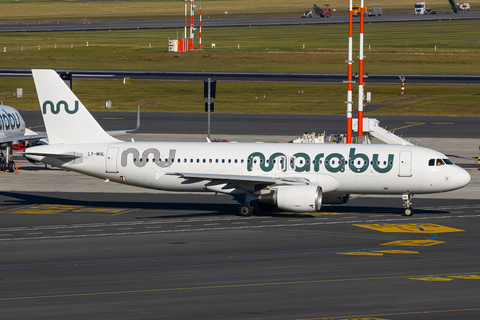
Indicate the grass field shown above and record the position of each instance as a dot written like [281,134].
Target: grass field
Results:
[248,97]
[436,47]
[389,48]
[48,11]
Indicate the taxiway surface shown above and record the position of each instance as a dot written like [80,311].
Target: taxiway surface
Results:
[77,247]
[36,26]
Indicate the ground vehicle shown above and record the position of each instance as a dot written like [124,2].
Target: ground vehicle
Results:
[421,9]
[459,7]
[323,12]
[356,10]
[308,14]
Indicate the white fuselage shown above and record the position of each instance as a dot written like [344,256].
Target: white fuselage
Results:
[11,124]
[345,168]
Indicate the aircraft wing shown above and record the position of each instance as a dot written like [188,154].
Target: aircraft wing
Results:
[242,178]
[23,138]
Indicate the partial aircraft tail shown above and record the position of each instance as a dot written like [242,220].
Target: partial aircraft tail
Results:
[66,118]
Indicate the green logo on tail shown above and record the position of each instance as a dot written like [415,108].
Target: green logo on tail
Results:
[55,108]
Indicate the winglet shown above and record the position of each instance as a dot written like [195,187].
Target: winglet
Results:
[66,118]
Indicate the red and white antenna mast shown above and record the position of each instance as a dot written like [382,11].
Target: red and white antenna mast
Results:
[192,17]
[350,81]
[185,36]
[200,33]
[360,79]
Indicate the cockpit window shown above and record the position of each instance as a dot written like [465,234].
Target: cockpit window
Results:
[440,162]
[448,161]
[431,162]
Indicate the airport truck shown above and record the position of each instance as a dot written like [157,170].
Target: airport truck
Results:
[459,7]
[420,8]
[356,10]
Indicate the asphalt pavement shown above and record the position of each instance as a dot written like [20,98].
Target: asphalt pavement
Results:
[39,26]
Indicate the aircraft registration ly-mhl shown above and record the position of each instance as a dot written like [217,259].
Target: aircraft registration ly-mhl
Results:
[288,176]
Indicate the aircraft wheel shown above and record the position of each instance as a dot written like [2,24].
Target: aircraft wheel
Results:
[408,212]
[11,166]
[245,210]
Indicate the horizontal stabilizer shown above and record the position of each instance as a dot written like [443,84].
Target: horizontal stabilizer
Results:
[54,155]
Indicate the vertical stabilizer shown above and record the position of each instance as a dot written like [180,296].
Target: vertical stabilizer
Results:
[66,119]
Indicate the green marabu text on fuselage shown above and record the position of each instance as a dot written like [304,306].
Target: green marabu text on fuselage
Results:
[329,160]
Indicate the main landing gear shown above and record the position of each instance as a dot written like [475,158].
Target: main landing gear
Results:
[407,203]
[246,210]
[6,162]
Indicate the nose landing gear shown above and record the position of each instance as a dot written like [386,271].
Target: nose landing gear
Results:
[407,203]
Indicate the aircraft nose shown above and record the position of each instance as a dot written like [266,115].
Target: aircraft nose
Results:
[462,177]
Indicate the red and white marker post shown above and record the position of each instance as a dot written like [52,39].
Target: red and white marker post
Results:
[403,84]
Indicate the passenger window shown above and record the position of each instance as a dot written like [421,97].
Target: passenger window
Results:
[216,160]
[229,161]
[235,160]
[204,160]
[223,160]
[198,160]
[210,160]
[243,160]
[191,160]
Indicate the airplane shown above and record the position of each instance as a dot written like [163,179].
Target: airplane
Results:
[12,131]
[288,176]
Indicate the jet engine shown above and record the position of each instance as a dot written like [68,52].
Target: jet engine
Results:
[307,198]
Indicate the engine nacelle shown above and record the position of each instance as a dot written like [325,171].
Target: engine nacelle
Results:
[335,198]
[306,198]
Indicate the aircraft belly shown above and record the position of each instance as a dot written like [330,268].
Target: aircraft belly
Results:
[176,183]
[368,183]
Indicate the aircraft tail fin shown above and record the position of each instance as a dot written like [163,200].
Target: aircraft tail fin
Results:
[66,118]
